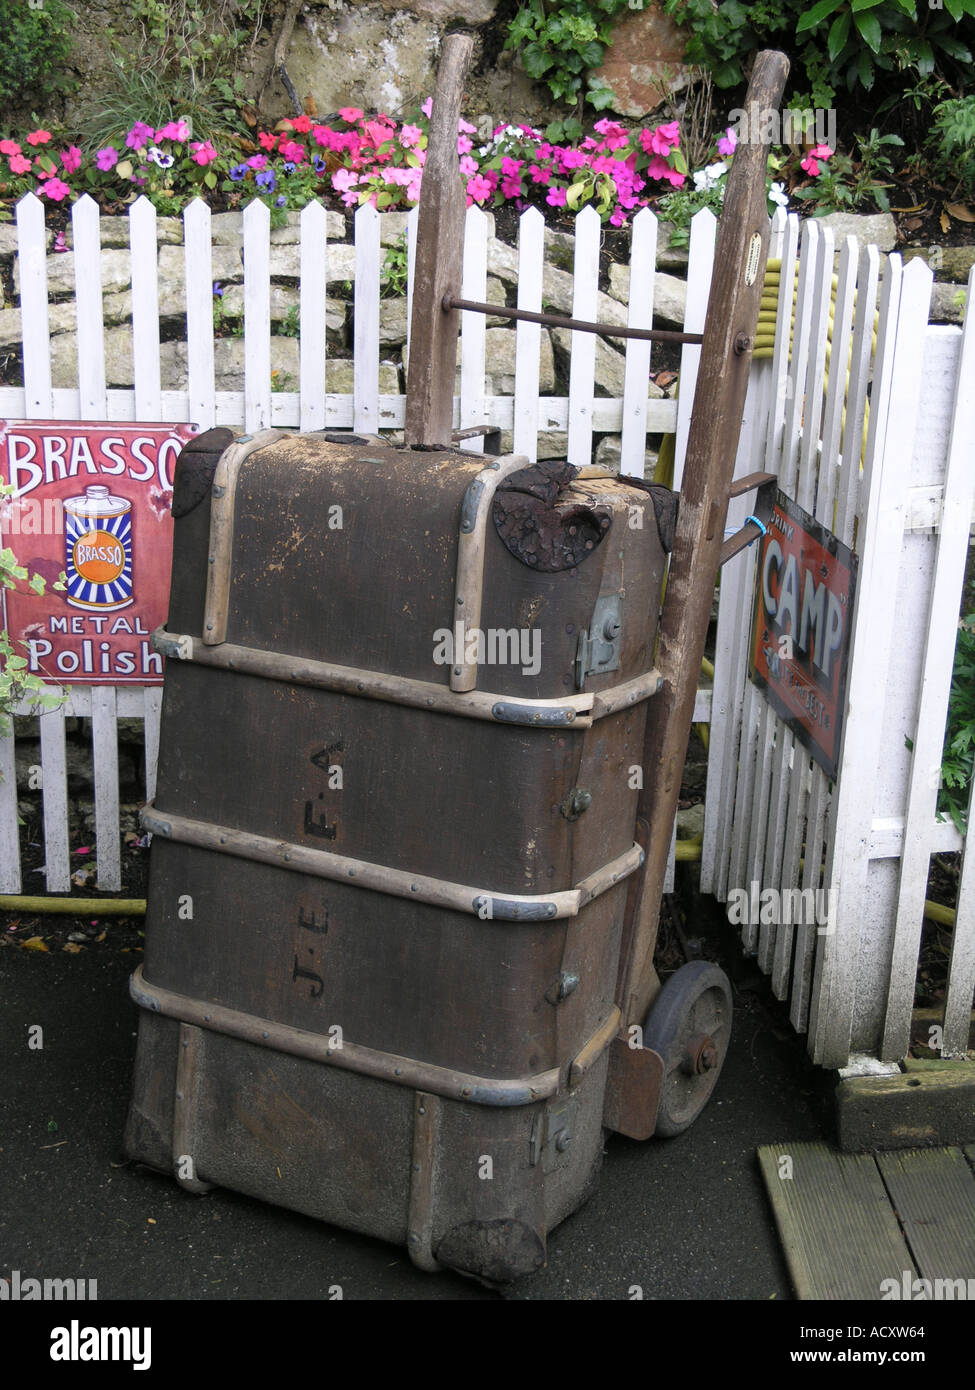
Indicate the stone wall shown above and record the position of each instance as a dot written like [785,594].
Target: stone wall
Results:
[382,55]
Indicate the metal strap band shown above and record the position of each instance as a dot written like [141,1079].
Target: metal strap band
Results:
[360,873]
[570,712]
[366,1061]
[222,501]
[470,562]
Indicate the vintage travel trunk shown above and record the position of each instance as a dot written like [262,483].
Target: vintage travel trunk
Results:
[402,722]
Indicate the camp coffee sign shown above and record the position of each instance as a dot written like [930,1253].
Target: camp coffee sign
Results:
[801,628]
[90,500]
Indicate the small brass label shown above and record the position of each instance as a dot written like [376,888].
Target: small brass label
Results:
[754,254]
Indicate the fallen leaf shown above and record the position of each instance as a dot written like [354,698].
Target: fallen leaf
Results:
[961,212]
[310,107]
[72,948]
[101,936]
[151,1220]
[945,221]
[249,115]
[34,943]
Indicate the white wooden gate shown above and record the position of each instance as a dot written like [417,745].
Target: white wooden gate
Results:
[903,502]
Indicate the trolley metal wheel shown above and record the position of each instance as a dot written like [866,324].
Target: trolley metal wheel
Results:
[689,1024]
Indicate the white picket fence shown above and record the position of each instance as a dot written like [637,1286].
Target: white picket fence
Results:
[877,828]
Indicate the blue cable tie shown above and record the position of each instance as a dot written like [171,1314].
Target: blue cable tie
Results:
[760,524]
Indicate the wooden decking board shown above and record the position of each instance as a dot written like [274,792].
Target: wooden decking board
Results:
[933,1194]
[837,1227]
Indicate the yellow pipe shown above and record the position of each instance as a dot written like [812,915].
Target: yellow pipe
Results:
[938,913]
[690,850]
[76,907]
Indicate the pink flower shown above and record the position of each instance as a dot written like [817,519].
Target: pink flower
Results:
[816,153]
[38,137]
[468,166]
[56,189]
[728,142]
[427,107]
[9,147]
[350,114]
[658,168]
[293,151]
[464,145]
[571,159]
[257,161]
[478,188]
[539,174]
[344,179]
[19,165]
[71,159]
[302,124]
[266,141]
[174,130]
[662,140]
[465,127]
[377,132]
[139,135]
[618,218]
[203,152]
[107,158]
[410,136]
[614,136]
[555,197]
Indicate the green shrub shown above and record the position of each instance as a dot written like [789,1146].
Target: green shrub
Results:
[36,44]
[834,45]
[559,43]
[959,749]
[953,142]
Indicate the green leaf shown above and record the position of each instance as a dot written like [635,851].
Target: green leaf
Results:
[814,17]
[955,8]
[864,69]
[838,32]
[954,48]
[37,583]
[870,31]
[210,179]
[858,5]
[573,196]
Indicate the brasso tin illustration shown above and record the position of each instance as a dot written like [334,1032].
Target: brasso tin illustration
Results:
[98,542]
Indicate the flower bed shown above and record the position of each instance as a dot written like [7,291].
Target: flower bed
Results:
[361,158]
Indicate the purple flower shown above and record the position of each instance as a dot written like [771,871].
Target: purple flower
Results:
[217,289]
[238,172]
[266,180]
[139,135]
[107,158]
[318,164]
[288,167]
[280,201]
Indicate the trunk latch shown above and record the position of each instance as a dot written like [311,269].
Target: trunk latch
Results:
[598,650]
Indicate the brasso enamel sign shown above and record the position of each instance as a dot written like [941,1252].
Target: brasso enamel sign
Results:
[90,500]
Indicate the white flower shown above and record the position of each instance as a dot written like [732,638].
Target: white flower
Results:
[158,157]
[778,195]
[708,178]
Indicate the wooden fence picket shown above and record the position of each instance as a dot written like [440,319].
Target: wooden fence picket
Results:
[145,310]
